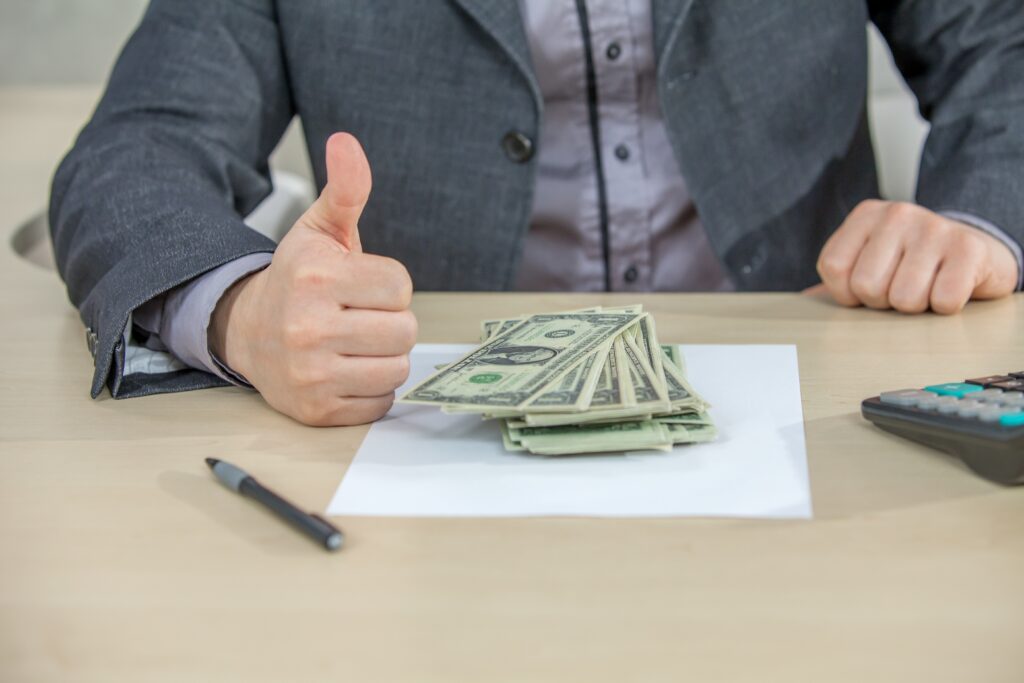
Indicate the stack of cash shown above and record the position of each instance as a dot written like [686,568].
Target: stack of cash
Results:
[587,381]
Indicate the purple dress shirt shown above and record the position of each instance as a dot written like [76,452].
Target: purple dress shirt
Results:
[656,240]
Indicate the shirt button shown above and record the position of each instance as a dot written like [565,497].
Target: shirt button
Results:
[613,51]
[622,152]
[518,147]
[631,274]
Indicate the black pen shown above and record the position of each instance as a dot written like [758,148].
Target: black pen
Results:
[314,526]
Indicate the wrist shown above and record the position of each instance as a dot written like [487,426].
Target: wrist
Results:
[226,334]
[1004,270]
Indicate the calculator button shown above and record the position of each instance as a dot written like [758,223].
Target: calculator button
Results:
[958,389]
[995,413]
[930,401]
[905,397]
[991,379]
[1009,385]
[1012,399]
[946,405]
[969,408]
[988,396]
[1012,420]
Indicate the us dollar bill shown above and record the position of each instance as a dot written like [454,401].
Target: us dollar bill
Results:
[613,399]
[569,440]
[648,388]
[690,433]
[489,328]
[681,394]
[674,355]
[646,339]
[518,364]
[685,417]
[574,391]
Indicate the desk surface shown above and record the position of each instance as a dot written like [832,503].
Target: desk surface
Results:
[123,559]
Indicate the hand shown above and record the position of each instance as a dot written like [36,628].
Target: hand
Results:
[903,256]
[324,331]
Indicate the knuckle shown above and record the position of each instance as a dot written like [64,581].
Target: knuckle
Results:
[937,229]
[400,283]
[407,328]
[907,301]
[946,304]
[866,286]
[868,206]
[294,376]
[390,373]
[901,212]
[832,267]
[301,333]
[302,373]
[969,244]
[402,367]
[311,277]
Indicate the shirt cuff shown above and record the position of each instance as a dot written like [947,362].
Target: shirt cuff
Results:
[188,309]
[983,225]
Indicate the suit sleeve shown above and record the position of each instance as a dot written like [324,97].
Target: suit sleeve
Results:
[152,193]
[964,60]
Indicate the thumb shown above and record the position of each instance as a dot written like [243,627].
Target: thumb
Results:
[336,212]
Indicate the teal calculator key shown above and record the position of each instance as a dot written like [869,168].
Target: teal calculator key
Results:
[1012,420]
[958,389]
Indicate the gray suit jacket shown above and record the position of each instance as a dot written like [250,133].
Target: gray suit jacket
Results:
[764,103]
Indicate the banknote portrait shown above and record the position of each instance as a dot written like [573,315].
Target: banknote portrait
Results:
[517,355]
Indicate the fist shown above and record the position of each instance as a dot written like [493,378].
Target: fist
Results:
[324,332]
[903,256]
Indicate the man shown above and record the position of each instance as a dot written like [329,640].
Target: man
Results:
[625,145]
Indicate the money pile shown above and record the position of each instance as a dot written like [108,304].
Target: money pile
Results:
[586,381]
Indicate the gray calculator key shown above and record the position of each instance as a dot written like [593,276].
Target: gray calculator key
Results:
[927,402]
[969,408]
[1011,401]
[988,395]
[947,405]
[904,397]
[992,413]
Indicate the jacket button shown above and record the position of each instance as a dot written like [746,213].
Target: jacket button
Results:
[518,147]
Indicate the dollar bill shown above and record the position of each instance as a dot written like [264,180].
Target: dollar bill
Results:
[680,434]
[686,417]
[646,340]
[489,328]
[681,395]
[575,382]
[518,364]
[568,440]
[575,391]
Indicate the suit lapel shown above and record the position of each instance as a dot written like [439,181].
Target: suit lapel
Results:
[502,21]
[668,18]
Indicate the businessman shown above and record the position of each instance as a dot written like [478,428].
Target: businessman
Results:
[609,145]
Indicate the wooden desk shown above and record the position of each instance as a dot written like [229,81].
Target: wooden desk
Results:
[123,559]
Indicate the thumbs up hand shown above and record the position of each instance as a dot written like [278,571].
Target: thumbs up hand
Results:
[324,332]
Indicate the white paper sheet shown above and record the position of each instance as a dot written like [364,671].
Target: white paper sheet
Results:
[420,462]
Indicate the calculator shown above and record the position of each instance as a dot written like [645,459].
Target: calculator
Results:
[980,421]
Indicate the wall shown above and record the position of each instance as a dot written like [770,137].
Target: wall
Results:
[63,41]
